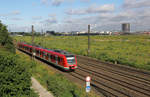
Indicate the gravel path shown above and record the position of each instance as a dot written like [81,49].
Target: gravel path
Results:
[40,89]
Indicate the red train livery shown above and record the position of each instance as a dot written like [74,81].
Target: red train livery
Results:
[59,58]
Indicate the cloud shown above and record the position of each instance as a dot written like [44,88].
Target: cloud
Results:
[92,9]
[19,28]
[36,17]
[57,2]
[112,20]
[52,15]
[16,19]
[85,0]
[13,13]
[136,3]
[53,2]
[45,2]
[49,21]
[106,17]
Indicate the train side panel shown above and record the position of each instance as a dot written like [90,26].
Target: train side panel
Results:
[52,57]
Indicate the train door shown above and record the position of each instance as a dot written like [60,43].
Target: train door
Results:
[49,57]
[56,59]
[59,61]
[52,58]
[31,49]
[41,53]
[44,55]
[37,52]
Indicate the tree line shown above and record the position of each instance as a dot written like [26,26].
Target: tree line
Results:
[15,73]
[5,39]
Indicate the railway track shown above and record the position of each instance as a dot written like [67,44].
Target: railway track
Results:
[123,80]
[111,80]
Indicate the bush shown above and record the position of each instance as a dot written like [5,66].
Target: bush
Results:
[5,39]
[61,87]
[14,77]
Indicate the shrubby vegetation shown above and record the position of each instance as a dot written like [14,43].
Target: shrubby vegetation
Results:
[5,39]
[15,77]
[132,50]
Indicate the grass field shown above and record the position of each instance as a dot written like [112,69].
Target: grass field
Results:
[58,84]
[132,50]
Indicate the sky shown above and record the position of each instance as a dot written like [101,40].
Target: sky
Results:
[74,15]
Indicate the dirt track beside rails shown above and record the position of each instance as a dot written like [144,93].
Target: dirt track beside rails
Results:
[111,80]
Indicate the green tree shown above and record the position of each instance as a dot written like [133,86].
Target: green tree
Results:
[5,39]
[15,77]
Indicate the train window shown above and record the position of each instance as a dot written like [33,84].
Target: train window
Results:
[59,59]
[48,55]
[71,60]
[37,51]
[52,57]
[43,53]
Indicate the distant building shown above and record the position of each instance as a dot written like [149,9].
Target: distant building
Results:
[50,33]
[116,33]
[148,33]
[105,33]
[82,32]
[126,27]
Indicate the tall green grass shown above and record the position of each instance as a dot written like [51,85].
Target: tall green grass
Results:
[132,50]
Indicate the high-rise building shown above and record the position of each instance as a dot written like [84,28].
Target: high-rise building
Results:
[126,27]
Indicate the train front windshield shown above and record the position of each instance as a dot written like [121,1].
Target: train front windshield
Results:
[70,59]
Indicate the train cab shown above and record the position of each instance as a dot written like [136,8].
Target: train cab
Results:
[71,61]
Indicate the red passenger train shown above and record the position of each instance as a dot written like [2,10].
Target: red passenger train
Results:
[59,58]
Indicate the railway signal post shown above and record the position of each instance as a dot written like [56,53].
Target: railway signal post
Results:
[88,87]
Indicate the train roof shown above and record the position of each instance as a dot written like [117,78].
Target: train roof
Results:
[67,54]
